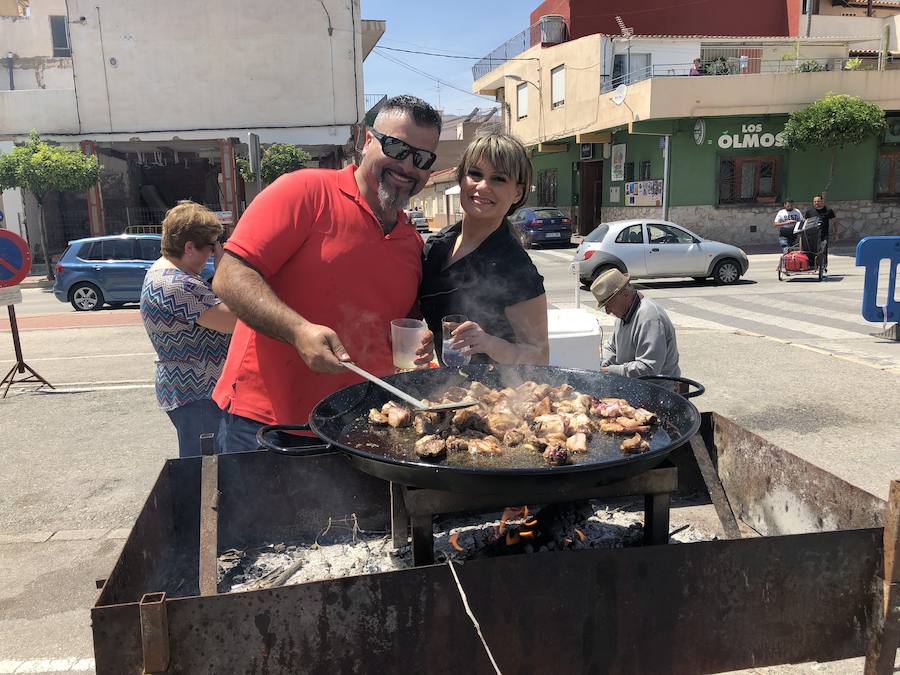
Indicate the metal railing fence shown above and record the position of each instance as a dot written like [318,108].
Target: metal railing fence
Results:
[738,65]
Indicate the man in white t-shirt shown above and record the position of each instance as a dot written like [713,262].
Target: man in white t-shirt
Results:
[786,220]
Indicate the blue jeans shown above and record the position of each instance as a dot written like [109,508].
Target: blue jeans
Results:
[193,419]
[239,435]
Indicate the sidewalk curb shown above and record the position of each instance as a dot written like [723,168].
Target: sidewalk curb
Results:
[36,283]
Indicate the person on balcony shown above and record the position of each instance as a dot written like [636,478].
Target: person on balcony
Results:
[697,68]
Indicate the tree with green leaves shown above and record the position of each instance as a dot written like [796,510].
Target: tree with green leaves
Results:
[41,167]
[277,160]
[831,123]
[281,158]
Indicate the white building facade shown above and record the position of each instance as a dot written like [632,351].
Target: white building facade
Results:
[166,93]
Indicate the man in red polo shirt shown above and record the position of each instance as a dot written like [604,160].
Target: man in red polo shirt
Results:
[318,266]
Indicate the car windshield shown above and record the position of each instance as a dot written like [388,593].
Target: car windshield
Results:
[598,234]
[548,213]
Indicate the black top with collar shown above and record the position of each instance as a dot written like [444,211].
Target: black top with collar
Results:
[496,275]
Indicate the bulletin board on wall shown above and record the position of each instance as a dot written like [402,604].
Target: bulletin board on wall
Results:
[644,193]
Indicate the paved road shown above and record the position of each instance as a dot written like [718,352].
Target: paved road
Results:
[801,311]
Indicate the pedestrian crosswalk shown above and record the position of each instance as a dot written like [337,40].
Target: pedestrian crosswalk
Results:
[821,316]
[551,255]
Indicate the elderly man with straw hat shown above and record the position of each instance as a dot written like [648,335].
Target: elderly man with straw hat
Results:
[643,341]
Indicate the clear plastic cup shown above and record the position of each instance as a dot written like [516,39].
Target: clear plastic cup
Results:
[406,340]
[450,357]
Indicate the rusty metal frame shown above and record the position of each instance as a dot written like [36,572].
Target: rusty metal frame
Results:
[209,519]
[154,633]
[417,507]
[617,611]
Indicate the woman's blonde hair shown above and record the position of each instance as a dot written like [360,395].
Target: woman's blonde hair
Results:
[505,153]
[186,222]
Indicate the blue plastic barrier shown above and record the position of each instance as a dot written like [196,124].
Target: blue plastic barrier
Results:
[869,254]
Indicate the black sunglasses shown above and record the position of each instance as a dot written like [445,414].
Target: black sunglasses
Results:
[397,149]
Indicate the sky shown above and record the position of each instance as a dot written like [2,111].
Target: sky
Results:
[466,28]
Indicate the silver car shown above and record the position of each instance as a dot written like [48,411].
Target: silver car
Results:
[657,248]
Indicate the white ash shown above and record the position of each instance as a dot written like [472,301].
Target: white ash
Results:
[344,549]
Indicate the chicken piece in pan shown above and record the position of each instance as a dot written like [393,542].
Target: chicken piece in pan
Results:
[634,445]
[426,423]
[431,447]
[513,437]
[397,415]
[645,417]
[498,423]
[549,425]
[577,443]
[375,417]
[631,424]
[488,445]
[460,442]
[556,454]
[467,418]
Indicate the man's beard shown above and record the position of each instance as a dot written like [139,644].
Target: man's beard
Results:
[392,198]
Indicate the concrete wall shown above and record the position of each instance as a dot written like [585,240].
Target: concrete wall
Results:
[859,218]
[38,72]
[772,93]
[30,36]
[836,9]
[46,110]
[854,26]
[674,55]
[581,58]
[204,65]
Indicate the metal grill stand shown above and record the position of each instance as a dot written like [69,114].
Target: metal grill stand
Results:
[413,509]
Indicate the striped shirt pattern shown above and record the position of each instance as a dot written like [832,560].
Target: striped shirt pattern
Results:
[189,356]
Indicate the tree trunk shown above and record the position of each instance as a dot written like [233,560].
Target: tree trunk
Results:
[830,174]
[51,274]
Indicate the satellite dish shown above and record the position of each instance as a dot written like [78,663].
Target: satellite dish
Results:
[618,96]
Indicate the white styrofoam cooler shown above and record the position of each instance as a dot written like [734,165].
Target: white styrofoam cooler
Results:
[575,338]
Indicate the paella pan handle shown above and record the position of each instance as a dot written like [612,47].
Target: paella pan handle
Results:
[299,451]
[683,380]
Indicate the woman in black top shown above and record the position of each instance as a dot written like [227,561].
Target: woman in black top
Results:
[478,267]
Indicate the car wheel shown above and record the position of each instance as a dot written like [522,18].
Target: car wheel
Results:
[600,270]
[726,272]
[86,297]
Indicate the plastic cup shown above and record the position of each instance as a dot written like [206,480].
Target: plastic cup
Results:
[450,357]
[406,340]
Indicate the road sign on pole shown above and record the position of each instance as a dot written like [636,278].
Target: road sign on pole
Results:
[15,259]
[15,262]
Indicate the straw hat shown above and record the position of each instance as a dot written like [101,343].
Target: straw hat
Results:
[607,285]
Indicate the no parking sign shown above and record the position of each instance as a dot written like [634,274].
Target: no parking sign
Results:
[15,263]
[15,259]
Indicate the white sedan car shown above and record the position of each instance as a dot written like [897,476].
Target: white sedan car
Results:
[657,248]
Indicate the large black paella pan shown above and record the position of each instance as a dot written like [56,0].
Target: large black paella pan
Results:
[341,422]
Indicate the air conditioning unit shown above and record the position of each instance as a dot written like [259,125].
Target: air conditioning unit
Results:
[892,135]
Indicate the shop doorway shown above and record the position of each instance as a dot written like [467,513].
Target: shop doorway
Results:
[591,196]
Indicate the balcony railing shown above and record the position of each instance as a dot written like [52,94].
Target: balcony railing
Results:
[371,100]
[517,44]
[739,66]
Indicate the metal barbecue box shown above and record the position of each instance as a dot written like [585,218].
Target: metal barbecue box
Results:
[813,582]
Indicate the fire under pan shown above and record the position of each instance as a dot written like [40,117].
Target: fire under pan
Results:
[813,587]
